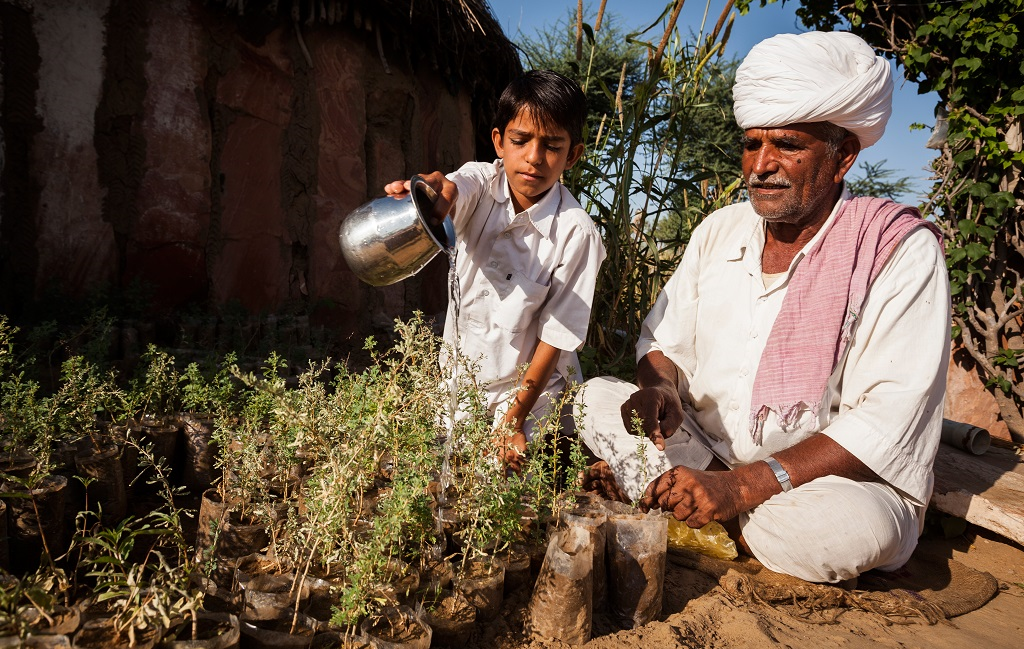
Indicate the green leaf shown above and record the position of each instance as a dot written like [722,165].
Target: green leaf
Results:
[971,64]
[986,233]
[110,560]
[1001,383]
[967,226]
[589,31]
[1007,40]
[976,251]
[999,200]
[964,156]
[980,189]
[1008,357]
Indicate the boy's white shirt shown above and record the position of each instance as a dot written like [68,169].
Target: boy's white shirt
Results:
[523,277]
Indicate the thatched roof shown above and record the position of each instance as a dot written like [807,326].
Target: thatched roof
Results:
[460,39]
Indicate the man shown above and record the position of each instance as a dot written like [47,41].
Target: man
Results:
[792,372]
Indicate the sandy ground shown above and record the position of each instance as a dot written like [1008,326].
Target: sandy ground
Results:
[697,614]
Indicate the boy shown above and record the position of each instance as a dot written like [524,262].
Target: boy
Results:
[528,254]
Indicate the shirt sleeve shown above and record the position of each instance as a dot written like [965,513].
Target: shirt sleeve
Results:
[891,389]
[472,179]
[565,318]
[671,325]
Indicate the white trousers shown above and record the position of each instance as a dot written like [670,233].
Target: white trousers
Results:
[827,530]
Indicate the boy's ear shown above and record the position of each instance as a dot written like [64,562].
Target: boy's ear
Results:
[499,148]
[575,153]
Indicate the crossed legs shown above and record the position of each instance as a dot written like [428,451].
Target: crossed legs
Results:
[828,530]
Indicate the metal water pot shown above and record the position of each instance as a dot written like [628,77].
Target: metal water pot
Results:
[389,239]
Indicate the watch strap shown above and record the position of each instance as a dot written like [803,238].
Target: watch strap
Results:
[780,474]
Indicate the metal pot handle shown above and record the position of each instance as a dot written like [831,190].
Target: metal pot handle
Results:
[443,232]
[417,181]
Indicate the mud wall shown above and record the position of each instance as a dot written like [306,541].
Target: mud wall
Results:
[208,157]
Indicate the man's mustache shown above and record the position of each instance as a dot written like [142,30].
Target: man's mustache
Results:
[767,183]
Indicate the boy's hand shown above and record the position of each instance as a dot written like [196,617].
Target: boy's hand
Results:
[397,188]
[447,194]
[512,449]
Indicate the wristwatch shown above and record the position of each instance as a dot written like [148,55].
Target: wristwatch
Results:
[780,473]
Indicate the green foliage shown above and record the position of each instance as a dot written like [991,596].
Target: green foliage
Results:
[141,567]
[41,592]
[708,139]
[878,181]
[641,449]
[346,472]
[40,423]
[969,53]
[608,51]
[554,461]
[660,155]
[155,393]
[23,412]
[7,333]
[206,392]
[83,395]
[145,594]
[378,443]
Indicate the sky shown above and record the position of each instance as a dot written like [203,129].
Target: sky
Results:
[902,150]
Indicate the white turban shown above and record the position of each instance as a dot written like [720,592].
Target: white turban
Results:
[814,77]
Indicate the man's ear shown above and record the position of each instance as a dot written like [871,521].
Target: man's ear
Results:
[496,138]
[849,149]
[575,153]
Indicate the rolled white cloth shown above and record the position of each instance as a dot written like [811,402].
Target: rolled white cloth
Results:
[814,77]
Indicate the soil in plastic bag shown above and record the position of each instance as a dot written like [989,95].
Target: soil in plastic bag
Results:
[593,519]
[397,628]
[482,581]
[199,470]
[30,533]
[100,633]
[213,631]
[636,549]
[106,487]
[450,616]
[561,607]
[517,567]
[289,631]
[339,640]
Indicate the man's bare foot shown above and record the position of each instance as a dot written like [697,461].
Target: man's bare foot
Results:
[598,479]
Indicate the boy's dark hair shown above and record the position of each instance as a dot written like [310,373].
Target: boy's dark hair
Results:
[552,99]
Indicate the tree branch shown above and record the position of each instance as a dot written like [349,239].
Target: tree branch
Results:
[981,118]
[984,315]
[984,362]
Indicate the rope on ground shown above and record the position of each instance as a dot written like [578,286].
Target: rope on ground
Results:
[745,581]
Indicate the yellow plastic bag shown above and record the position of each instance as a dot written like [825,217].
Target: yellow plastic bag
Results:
[712,539]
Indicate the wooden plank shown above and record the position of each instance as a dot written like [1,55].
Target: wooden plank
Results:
[986,495]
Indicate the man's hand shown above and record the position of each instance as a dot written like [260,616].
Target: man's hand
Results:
[657,403]
[696,497]
[447,194]
[659,409]
[598,478]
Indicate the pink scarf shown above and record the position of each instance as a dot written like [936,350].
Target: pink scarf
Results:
[822,305]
